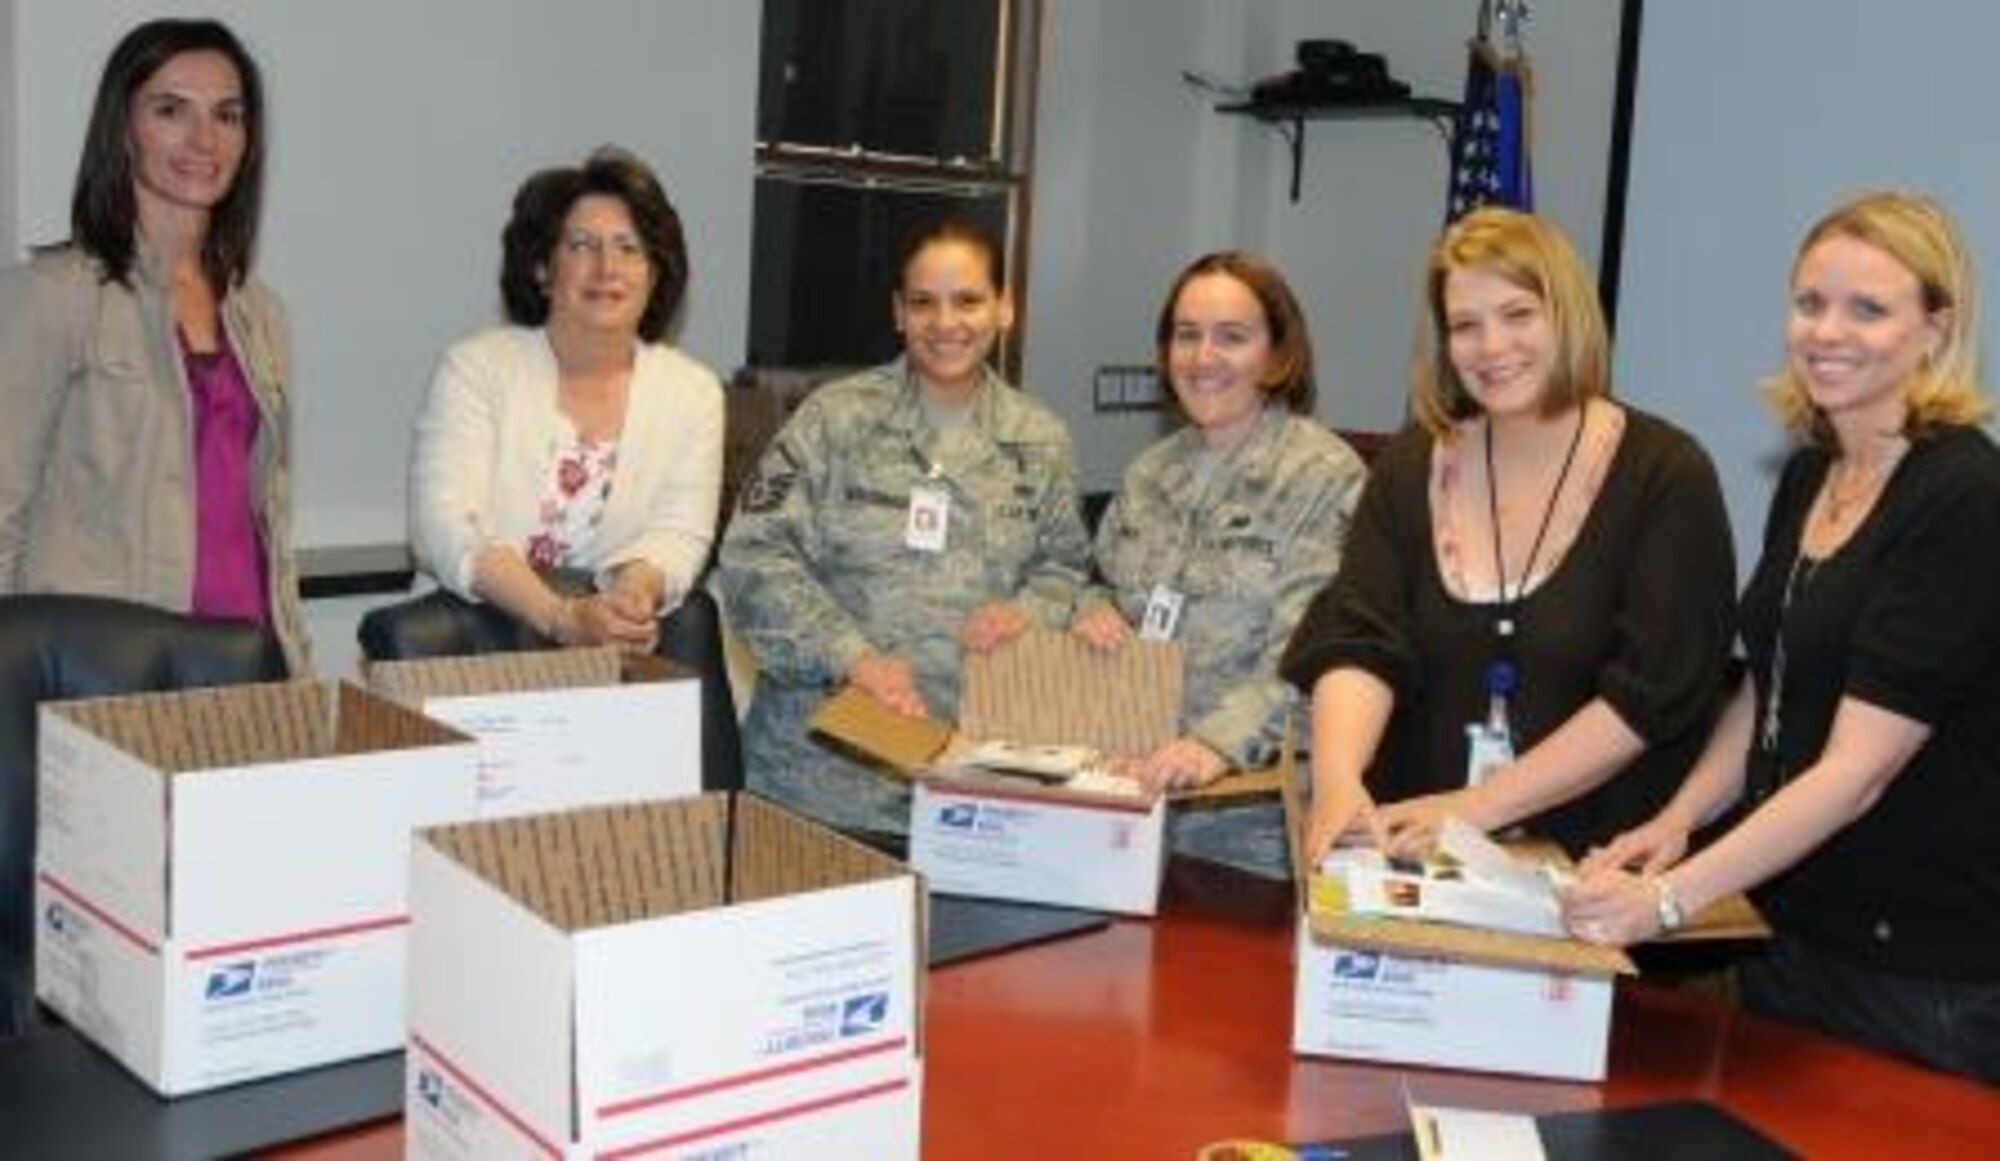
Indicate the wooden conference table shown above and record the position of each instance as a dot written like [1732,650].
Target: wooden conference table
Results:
[1151,1039]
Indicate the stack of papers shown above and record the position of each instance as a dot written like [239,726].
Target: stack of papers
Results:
[1469,881]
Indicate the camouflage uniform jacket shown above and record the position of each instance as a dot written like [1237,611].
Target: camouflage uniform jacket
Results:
[1247,543]
[815,568]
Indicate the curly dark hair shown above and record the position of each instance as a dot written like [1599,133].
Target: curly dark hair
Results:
[543,203]
[103,206]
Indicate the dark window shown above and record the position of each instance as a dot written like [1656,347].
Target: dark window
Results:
[873,117]
[912,77]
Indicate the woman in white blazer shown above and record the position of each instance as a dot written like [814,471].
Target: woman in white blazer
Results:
[575,441]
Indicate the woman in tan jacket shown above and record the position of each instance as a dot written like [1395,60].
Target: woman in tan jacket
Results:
[142,369]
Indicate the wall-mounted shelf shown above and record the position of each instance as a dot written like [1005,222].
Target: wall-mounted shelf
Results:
[1290,120]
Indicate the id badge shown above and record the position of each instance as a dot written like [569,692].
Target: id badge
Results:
[929,516]
[1486,748]
[1163,614]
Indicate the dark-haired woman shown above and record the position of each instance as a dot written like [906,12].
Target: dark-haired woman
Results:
[903,516]
[143,369]
[1221,534]
[575,439]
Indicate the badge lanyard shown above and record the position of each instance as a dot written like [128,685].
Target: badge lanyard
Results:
[1770,728]
[1493,739]
[927,523]
[1165,603]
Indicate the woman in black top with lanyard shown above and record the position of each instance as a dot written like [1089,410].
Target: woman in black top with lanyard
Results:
[1866,741]
[1530,624]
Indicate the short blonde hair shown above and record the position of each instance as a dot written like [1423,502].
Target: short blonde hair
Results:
[1529,252]
[1922,238]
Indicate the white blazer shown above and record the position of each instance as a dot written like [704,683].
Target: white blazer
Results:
[487,440]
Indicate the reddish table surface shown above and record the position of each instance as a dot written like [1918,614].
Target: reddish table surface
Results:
[1153,1038]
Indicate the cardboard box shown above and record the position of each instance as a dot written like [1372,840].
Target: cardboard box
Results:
[1411,992]
[707,977]
[220,889]
[1006,838]
[562,727]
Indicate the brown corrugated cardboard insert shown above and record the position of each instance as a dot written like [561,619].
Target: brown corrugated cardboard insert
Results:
[412,681]
[1045,688]
[243,725]
[596,867]
[1052,688]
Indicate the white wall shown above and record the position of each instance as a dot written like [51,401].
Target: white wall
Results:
[1135,174]
[1373,192]
[1123,153]
[1752,120]
[399,131]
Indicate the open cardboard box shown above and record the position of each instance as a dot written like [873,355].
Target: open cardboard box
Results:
[561,727]
[708,976]
[1002,837]
[221,873]
[1412,992]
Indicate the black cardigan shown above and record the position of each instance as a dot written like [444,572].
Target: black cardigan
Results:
[1639,611]
[1906,617]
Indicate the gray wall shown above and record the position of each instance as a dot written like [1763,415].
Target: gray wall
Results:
[1754,119]
[10,98]
[1136,174]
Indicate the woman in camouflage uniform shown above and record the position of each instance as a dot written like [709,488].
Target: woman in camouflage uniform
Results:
[903,515]
[1220,535]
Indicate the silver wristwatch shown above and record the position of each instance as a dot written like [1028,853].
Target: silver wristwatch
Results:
[1668,905]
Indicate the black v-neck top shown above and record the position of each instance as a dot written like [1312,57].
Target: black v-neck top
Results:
[1639,611]
[1904,616]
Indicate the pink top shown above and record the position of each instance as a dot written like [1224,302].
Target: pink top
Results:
[231,577]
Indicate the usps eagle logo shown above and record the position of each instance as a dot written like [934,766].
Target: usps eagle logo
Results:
[233,979]
[958,815]
[864,1013]
[1357,965]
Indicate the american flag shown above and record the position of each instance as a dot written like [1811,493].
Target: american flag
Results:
[1489,154]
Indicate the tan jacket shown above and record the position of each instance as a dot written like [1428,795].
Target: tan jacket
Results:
[97,488]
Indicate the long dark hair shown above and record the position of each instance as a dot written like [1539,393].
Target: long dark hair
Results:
[542,205]
[104,209]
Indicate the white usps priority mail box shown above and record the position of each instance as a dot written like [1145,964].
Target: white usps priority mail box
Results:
[982,837]
[707,976]
[221,874]
[1092,841]
[1378,998]
[1378,976]
[562,727]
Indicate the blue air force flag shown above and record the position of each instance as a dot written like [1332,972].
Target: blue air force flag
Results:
[1489,153]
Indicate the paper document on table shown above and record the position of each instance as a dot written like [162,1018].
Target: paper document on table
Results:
[1446,1134]
[1468,881]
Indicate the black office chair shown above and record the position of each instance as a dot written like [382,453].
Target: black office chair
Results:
[441,624]
[64,647]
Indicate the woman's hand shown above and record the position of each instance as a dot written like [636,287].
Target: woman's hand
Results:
[992,625]
[612,618]
[1612,907]
[891,680]
[1346,815]
[1100,626]
[1182,764]
[1412,826]
[1649,848]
